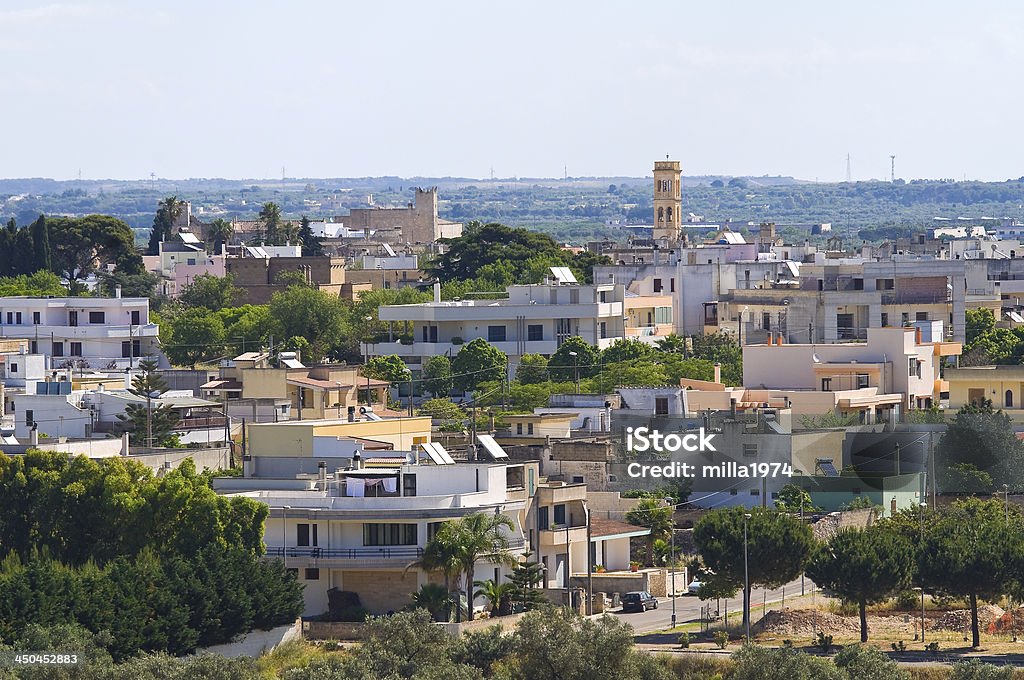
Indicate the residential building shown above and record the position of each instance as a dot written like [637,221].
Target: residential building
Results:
[82,332]
[310,438]
[179,262]
[534,319]
[416,223]
[250,387]
[257,274]
[1002,385]
[359,528]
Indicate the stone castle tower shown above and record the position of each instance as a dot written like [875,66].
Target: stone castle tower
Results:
[668,201]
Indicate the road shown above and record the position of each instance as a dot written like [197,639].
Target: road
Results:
[688,608]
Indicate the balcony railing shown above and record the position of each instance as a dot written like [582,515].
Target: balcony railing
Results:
[396,552]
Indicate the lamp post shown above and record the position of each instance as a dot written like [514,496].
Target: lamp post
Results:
[746,579]
[923,507]
[672,556]
[575,370]
[590,563]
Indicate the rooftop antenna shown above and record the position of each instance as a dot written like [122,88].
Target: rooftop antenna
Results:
[565,172]
[492,173]
[152,179]
[849,175]
[892,168]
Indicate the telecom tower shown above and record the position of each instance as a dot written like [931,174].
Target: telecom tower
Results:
[892,168]
[849,175]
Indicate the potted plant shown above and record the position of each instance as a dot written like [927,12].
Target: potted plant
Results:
[457,340]
[599,569]
[634,566]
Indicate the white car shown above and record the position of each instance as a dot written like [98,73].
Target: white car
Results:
[694,587]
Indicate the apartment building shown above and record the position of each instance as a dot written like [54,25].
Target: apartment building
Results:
[82,332]
[250,387]
[534,319]
[359,528]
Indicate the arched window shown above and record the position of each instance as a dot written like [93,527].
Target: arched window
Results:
[668,213]
[661,214]
[1008,399]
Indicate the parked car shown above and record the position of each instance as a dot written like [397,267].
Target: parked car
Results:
[638,601]
[694,587]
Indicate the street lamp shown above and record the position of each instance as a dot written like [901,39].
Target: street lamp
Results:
[923,507]
[672,555]
[746,579]
[575,370]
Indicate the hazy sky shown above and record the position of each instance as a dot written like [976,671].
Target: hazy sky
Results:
[122,88]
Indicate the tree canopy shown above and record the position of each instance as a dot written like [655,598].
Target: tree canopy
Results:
[979,439]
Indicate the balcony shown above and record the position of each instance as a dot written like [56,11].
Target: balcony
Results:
[555,537]
[890,297]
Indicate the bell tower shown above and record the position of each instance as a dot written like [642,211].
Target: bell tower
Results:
[668,201]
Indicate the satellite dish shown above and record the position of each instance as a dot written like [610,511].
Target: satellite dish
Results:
[815,358]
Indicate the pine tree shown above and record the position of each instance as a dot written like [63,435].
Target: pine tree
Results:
[526,578]
[153,425]
[311,245]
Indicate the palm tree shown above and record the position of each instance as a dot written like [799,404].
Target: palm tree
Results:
[270,223]
[652,514]
[480,538]
[435,598]
[672,343]
[499,595]
[219,232]
[442,553]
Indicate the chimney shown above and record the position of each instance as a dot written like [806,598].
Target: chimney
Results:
[718,372]
[322,470]
[917,335]
[357,461]
[437,291]
[732,407]
[351,414]
[117,291]
[125,449]
[33,435]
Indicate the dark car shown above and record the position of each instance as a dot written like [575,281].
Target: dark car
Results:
[638,601]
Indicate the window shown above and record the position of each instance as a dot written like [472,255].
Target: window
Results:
[750,449]
[914,368]
[858,284]
[35,317]
[577,479]
[885,284]
[671,285]
[433,528]
[661,406]
[58,349]
[904,319]
[826,384]
[1008,399]
[495,334]
[657,285]
[662,315]
[921,316]
[542,518]
[560,514]
[135,317]
[312,574]
[519,428]
[574,296]
[862,380]
[604,330]
[10,318]
[97,317]
[755,492]
[132,349]
[601,296]
[733,492]
[305,536]
[29,419]
[389,534]
[17,317]
[76,349]
[535,332]
[14,368]
[885,319]
[766,321]
[529,428]
[33,347]
[72,318]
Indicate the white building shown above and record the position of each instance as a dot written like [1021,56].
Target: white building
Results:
[358,529]
[534,319]
[82,332]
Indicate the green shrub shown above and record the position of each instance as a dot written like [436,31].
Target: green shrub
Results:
[867,663]
[721,638]
[976,670]
[762,663]
[907,600]
[684,640]
[823,642]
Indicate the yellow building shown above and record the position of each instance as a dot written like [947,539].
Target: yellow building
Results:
[1002,385]
[300,438]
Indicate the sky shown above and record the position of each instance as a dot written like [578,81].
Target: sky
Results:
[122,88]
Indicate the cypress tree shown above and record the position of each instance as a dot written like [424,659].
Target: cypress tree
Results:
[41,244]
